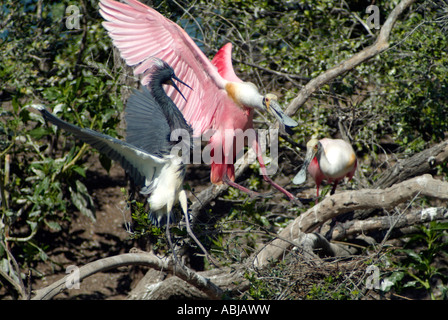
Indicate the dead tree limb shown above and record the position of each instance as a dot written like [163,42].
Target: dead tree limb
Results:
[153,286]
[380,45]
[385,222]
[344,202]
[147,259]
[420,163]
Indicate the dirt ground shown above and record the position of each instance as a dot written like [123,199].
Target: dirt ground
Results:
[85,241]
[82,240]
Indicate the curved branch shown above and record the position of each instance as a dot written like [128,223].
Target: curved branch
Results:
[384,223]
[347,201]
[147,259]
[418,164]
[380,45]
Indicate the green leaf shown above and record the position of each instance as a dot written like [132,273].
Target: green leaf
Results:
[38,133]
[440,226]
[53,225]
[80,170]
[105,161]
[412,254]
[82,200]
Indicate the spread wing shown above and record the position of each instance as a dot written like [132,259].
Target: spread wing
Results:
[146,125]
[141,165]
[140,32]
[223,61]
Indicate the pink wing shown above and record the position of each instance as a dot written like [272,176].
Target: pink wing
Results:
[140,32]
[223,61]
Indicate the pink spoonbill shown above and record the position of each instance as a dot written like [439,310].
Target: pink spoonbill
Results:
[220,101]
[328,159]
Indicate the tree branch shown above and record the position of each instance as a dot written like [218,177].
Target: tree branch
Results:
[347,201]
[385,222]
[418,164]
[147,259]
[380,45]
[155,286]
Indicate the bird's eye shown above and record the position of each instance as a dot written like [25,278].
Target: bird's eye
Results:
[266,101]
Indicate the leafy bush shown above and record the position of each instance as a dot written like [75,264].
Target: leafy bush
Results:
[417,266]
[397,98]
[69,72]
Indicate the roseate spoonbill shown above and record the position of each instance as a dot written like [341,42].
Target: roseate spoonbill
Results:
[220,101]
[146,155]
[329,159]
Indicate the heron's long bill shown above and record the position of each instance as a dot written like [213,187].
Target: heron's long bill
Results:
[275,109]
[177,89]
[301,175]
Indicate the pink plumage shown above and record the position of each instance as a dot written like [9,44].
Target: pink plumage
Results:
[140,32]
[328,159]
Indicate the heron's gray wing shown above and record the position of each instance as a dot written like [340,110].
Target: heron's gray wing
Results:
[146,124]
[140,164]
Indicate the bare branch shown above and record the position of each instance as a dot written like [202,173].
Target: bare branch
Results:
[347,201]
[418,164]
[384,223]
[156,286]
[380,45]
[127,259]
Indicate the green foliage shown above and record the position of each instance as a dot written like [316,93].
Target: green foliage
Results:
[68,71]
[331,289]
[259,289]
[398,98]
[142,228]
[418,267]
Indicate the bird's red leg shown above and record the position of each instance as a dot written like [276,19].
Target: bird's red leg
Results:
[264,172]
[233,184]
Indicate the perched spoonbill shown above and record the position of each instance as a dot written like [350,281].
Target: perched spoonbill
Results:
[327,159]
